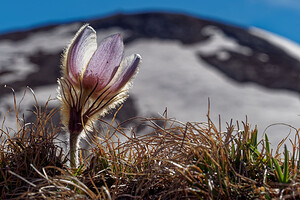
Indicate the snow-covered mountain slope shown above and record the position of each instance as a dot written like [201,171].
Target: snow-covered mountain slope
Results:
[185,61]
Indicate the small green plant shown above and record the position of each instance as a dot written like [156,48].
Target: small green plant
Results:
[282,172]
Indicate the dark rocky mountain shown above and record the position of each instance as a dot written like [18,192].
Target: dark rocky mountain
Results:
[281,71]
[33,57]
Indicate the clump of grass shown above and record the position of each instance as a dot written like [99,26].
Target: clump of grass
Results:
[32,145]
[173,160]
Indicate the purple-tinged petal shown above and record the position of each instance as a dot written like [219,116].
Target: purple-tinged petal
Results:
[104,63]
[80,52]
[126,71]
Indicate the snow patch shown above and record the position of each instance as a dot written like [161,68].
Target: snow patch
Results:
[263,57]
[223,55]
[18,70]
[218,41]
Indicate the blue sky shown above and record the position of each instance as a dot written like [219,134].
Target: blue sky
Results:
[279,16]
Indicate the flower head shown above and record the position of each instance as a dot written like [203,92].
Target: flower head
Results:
[95,79]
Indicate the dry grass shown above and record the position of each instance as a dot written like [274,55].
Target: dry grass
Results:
[172,161]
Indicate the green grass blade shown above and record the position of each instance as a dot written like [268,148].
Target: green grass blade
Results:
[78,170]
[278,170]
[286,165]
[268,154]
[232,152]
[254,150]
[254,138]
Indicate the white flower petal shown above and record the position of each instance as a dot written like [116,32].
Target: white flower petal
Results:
[80,52]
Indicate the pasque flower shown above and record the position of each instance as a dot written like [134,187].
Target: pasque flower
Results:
[94,80]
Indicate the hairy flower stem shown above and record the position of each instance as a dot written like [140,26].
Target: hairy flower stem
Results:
[75,129]
[74,143]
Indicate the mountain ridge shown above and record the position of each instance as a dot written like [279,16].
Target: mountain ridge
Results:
[187,30]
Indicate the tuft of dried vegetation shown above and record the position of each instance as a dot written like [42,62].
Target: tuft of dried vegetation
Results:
[173,160]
